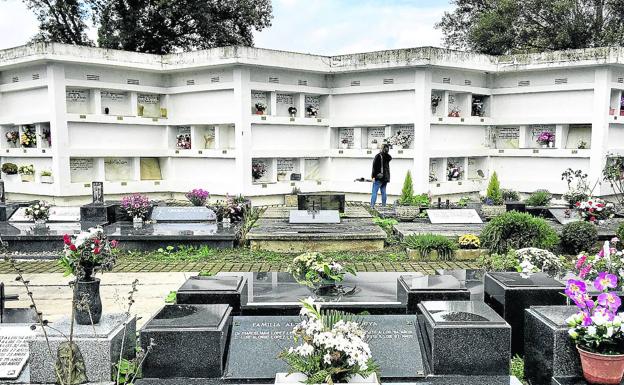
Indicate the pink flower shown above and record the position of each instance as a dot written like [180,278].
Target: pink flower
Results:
[581,261]
[610,300]
[605,281]
[114,243]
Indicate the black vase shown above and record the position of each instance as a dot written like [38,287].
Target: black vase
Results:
[87,302]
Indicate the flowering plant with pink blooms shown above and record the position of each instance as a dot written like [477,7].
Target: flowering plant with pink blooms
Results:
[597,327]
[197,196]
[136,205]
[609,259]
[545,137]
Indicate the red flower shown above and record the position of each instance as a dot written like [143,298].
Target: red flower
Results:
[96,250]
[67,239]
[578,203]
[72,247]
[592,219]
[96,241]
[113,243]
[591,210]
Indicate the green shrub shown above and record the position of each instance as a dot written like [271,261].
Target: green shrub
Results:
[385,223]
[407,193]
[514,230]
[426,243]
[539,198]
[499,262]
[510,195]
[494,195]
[9,168]
[579,236]
[620,232]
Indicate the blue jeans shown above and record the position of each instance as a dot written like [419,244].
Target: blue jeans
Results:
[378,185]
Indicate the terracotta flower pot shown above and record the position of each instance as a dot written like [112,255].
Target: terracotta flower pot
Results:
[601,368]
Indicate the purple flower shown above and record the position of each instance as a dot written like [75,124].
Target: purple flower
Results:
[575,287]
[605,281]
[610,300]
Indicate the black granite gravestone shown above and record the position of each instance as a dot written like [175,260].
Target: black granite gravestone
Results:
[321,201]
[257,340]
[189,341]
[509,294]
[212,290]
[472,279]
[548,349]
[413,289]
[97,211]
[465,338]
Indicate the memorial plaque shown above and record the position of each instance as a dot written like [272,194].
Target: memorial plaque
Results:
[97,192]
[2,193]
[81,170]
[150,104]
[256,342]
[285,165]
[321,201]
[345,137]
[77,101]
[508,137]
[150,169]
[57,214]
[13,350]
[118,169]
[376,136]
[441,216]
[321,216]
[312,169]
[565,216]
[183,214]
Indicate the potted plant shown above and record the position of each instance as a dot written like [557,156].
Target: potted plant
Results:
[344,143]
[9,168]
[260,108]
[312,111]
[258,170]
[595,210]
[39,212]
[318,272]
[292,199]
[582,145]
[28,138]
[578,193]
[12,137]
[597,329]
[469,247]
[409,205]
[137,207]
[493,200]
[27,172]
[453,172]
[455,112]
[546,139]
[183,141]
[83,255]
[435,102]
[163,112]
[281,176]
[292,111]
[197,196]
[333,349]
[46,176]
[401,139]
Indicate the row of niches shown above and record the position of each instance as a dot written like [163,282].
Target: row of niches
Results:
[294,105]
[572,136]
[120,169]
[26,169]
[399,136]
[274,170]
[113,102]
[201,137]
[459,104]
[26,136]
[457,169]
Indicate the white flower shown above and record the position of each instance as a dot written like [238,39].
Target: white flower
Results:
[327,359]
[573,333]
[591,330]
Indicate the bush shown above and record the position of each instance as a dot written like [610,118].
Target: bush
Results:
[426,243]
[539,198]
[494,196]
[514,230]
[9,168]
[510,195]
[407,193]
[579,236]
[500,262]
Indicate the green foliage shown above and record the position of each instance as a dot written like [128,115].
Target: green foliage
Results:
[426,243]
[499,27]
[620,232]
[510,195]
[500,262]
[494,194]
[62,21]
[128,370]
[250,217]
[205,274]
[579,236]
[539,198]
[612,174]
[9,168]
[514,230]
[386,224]
[407,193]
[171,297]
[517,368]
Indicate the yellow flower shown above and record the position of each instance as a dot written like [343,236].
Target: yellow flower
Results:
[469,241]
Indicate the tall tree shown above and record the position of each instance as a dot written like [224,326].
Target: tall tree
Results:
[164,26]
[61,21]
[508,26]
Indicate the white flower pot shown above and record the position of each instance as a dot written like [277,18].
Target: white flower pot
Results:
[27,177]
[298,378]
[47,179]
[344,146]
[544,146]
[551,144]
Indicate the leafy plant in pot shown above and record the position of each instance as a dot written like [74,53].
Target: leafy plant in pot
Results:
[318,272]
[597,329]
[83,255]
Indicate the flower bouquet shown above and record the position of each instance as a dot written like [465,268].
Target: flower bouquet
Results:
[183,141]
[136,206]
[292,111]
[28,138]
[595,210]
[197,196]
[401,139]
[597,329]
[258,170]
[608,259]
[534,260]
[260,108]
[38,211]
[333,349]
[453,172]
[317,271]
[312,111]
[27,172]
[545,138]
[12,137]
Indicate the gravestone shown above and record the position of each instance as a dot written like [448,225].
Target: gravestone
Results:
[14,351]
[509,294]
[97,192]
[472,279]
[256,342]
[565,216]
[57,214]
[321,201]
[189,341]
[454,216]
[416,288]
[212,290]
[548,349]
[97,211]
[183,214]
[466,338]
[2,193]
[322,216]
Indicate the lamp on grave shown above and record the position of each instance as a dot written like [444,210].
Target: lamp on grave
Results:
[97,192]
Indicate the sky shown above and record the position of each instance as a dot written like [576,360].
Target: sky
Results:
[326,27]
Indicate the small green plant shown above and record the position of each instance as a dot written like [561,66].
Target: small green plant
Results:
[579,236]
[494,196]
[46,173]
[171,297]
[514,230]
[620,232]
[385,223]
[9,168]
[27,169]
[407,193]
[295,191]
[463,201]
[510,195]
[517,368]
[539,198]
[205,274]
[499,262]
[426,243]
[128,370]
